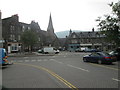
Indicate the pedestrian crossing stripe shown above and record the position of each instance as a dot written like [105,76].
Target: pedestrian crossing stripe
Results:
[32,60]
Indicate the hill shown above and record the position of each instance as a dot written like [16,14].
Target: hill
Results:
[63,34]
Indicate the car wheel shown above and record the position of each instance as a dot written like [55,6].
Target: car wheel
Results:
[99,62]
[84,59]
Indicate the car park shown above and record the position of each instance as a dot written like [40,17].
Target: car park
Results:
[99,57]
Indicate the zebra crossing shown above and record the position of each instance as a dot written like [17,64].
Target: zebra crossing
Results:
[37,60]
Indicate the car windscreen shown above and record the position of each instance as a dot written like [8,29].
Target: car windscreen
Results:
[104,54]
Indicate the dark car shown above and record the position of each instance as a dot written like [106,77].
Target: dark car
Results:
[116,54]
[99,57]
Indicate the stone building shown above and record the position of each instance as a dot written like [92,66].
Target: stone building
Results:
[52,39]
[89,39]
[11,33]
[13,29]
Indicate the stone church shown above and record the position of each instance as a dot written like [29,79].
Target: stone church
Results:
[12,30]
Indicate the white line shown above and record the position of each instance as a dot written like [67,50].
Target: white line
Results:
[57,61]
[45,60]
[78,68]
[39,60]
[52,59]
[26,57]
[60,62]
[33,60]
[27,60]
[115,79]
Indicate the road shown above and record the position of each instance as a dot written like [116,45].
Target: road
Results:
[64,70]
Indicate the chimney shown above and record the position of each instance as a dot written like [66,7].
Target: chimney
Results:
[16,17]
[93,30]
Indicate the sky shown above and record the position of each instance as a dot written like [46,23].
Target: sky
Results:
[66,14]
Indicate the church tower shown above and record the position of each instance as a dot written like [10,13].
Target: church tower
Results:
[52,39]
[50,28]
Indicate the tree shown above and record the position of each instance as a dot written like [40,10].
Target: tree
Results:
[29,38]
[110,25]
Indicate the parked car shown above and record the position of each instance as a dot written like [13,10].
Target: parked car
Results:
[3,57]
[99,57]
[116,54]
[92,50]
[78,50]
[40,51]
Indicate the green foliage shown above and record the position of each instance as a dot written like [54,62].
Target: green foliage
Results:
[110,25]
[29,38]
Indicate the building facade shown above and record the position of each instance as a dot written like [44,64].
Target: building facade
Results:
[92,39]
[13,29]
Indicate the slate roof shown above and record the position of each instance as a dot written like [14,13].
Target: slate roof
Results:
[88,34]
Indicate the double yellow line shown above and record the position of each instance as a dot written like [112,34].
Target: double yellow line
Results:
[53,74]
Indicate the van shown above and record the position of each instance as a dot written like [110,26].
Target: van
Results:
[3,57]
[50,50]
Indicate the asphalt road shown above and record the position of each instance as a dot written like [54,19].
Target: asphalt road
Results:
[64,70]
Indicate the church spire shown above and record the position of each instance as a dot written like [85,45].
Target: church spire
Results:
[50,25]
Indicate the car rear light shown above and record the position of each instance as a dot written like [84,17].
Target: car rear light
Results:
[107,57]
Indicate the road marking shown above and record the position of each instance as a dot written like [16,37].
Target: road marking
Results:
[27,60]
[52,59]
[78,68]
[45,60]
[115,79]
[39,60]
[105,66]
[33,60]
[53,74]
[26,57]
[58,61]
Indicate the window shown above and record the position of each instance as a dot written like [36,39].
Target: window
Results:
[14,47]
[12,28]
[13,37]
[39,39]
[74,36]
[29,28]
[23,28]
[74,41]
[19,38]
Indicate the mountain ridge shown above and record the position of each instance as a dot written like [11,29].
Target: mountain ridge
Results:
[63,34]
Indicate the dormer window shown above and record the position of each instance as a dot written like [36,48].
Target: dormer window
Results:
[74,36]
